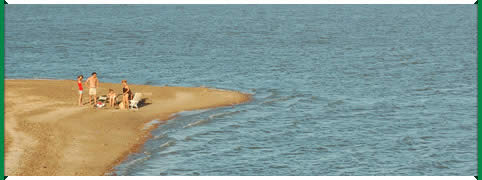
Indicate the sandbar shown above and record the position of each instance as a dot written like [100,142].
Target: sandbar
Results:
[48,134]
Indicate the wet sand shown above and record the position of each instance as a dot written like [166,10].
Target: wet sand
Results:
[47,133]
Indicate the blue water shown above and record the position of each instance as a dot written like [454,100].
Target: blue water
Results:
[338,89]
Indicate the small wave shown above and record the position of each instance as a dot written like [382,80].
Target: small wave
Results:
[321,148]
[440,165]
[151,123]
[213,116]
[426,137]
[238,148]
[407,140]
[23,47]
[223,114]
[281,99]
[181,170]
[417,62]
[187,138]
[194,174]
[196,123]
[466,126]
[292,153]
[273,92]
[255,147]
[167,144]
[413,105]
[413,143]
[168,153]
[278,166]
[335,103]
[190,113]
[159,136]
[423,89]
[134,162]
[173,116]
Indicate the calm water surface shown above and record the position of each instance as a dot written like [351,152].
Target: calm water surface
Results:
[338,89]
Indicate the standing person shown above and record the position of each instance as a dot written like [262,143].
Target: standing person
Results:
[126,93]
[79,83]
[93,83]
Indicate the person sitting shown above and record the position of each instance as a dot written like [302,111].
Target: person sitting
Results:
[112,97]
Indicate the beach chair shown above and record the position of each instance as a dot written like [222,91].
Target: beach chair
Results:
[103,98]
[135,101]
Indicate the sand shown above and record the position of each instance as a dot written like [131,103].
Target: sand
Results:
[47,133]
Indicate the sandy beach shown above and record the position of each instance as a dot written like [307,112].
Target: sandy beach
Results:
[47,133]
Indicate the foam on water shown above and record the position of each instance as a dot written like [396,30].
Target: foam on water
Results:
[151,123]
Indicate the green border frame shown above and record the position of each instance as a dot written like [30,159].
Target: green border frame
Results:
[479,95]
[2,89]
[2,115]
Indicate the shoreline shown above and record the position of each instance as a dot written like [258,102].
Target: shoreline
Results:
[47,133]
[134,149]
[130,84]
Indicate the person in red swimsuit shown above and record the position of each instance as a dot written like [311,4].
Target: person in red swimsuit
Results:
[79,83]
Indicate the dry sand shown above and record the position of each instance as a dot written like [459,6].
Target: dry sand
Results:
[47,133]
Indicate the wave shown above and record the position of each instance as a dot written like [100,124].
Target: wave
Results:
[151,123]
[191,113]
[167,144]
[132,163]
[281,99]
[202,121]
[212,116]
[159,136]
[223,114]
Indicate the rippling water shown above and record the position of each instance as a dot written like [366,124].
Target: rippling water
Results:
[338,89]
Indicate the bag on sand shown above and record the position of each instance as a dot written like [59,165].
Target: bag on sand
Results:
[100,104]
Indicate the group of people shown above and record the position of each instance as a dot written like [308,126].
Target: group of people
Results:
[93,84]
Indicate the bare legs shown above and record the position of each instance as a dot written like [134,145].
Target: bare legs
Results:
[112,101]
[90,99]
[80,99]
[125,100]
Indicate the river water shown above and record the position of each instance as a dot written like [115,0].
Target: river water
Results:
[338,89]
